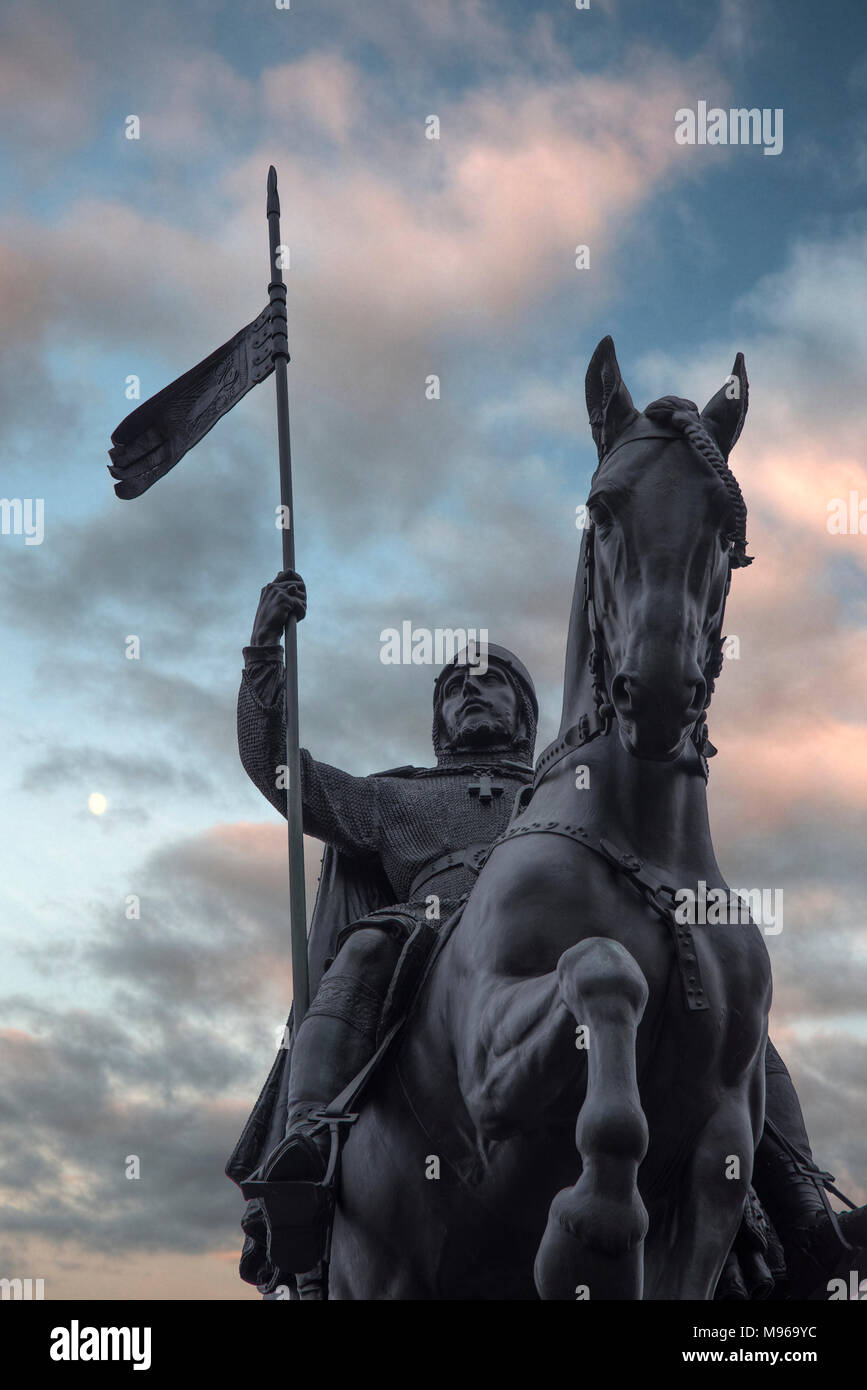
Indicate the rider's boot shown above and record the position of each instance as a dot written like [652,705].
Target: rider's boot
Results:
[791,1191]
[335,1040]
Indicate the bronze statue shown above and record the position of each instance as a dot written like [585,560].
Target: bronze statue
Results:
[558,987]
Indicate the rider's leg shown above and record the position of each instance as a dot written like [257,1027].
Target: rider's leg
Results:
[772,1164]
[335,1040]
[791,1198]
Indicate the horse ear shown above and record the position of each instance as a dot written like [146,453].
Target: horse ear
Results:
[725,412]
[609,404]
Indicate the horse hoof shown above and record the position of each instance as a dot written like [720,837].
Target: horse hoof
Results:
[568,1267]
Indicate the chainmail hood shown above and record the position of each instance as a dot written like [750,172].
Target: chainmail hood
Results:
[522,683]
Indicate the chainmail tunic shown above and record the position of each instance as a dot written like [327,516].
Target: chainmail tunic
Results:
[403,820]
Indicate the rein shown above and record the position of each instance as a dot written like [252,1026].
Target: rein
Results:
[588,726]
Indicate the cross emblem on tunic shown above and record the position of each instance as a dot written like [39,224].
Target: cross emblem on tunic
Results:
[485,789]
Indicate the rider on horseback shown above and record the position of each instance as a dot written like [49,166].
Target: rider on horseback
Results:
[426,830]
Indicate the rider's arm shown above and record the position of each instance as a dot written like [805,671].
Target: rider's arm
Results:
[338,808]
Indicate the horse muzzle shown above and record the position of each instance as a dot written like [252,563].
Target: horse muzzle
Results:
[656,718]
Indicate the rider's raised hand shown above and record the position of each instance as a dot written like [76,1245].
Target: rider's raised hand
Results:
[284,597]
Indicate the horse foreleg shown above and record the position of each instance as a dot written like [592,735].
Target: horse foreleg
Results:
[593,1243]
[517,1060]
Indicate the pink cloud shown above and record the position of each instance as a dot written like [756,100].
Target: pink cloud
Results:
[319,91]
[788,715]
[407,234]
[47,89]
[252,846]
[192,102]
[797,481]
[79,1274]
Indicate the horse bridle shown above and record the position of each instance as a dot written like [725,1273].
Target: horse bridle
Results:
[599,721]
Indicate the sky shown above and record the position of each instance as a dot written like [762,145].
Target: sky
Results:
[409,257]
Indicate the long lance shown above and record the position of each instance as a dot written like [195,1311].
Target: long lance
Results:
[297,903]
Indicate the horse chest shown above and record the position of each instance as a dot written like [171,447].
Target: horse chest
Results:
[541,893]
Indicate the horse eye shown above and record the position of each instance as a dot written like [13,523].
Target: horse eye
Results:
[600,516]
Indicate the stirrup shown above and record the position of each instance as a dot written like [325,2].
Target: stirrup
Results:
[298,1212]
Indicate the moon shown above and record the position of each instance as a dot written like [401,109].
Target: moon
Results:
[96,803]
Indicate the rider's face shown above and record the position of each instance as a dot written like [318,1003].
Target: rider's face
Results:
[479,710]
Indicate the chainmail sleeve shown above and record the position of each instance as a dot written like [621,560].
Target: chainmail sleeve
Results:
[340,809]
[261,740]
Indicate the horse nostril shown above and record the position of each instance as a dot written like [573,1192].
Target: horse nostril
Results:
[699,695]
[620,692]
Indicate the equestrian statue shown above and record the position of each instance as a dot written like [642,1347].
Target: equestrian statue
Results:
[524,1074]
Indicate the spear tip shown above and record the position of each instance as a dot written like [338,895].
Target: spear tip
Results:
[273,196]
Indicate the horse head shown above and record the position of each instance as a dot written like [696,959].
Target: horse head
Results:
[666,527]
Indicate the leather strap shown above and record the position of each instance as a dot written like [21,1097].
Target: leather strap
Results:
[588,726]
[574,738]
[470,858]
[339,1110]
[657,894]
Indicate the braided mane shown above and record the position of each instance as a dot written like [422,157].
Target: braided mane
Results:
[684,415]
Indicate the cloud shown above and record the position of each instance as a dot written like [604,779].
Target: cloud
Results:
[166,1067]
[829,1069]
[788,715]
[320,90]
[101,768]
[194,101]
[46,83]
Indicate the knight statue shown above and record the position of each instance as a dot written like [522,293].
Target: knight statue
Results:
[403,849]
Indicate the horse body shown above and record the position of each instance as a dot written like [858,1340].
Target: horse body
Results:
[560,994]
[490,1081]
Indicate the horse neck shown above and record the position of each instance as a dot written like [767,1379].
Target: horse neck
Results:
[658,810]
